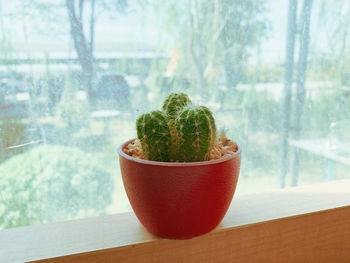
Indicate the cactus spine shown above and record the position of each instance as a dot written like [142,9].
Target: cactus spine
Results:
[154,135]
[197,133]
[182,132]
[174,103]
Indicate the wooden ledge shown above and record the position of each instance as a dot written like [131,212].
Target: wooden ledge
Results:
[303,224]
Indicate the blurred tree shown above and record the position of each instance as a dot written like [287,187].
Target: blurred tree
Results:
[335,17]
[214,37]
[84,45]
[287,89]
[82,16]
[243,24]
[197,44]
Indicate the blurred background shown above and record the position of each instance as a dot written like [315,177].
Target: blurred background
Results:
[75,75]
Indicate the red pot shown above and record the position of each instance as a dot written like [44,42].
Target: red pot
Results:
[179,200]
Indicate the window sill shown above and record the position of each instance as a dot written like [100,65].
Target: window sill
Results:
[303,224]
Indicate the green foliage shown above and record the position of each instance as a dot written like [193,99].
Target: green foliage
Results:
[322,67]
[73,112]
[52,183]
[183,132]
[324,108]
[214,39]
[334,17]
[244,27]
[263,74]
[262,111]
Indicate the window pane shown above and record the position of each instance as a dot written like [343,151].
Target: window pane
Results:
[75,75]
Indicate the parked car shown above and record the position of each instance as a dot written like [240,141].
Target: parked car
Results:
[14,98]
[111,90]
[20,97]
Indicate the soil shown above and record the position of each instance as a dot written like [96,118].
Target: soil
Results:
[224,148]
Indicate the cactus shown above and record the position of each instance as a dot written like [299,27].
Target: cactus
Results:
[182,132]
[171,106]
[197,133]
[174,103]
[154,135]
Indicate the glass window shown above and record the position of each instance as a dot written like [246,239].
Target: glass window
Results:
[75,75]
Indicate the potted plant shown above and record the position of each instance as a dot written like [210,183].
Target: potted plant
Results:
[179,175]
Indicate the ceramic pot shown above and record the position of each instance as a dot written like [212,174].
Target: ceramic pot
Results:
[179,200]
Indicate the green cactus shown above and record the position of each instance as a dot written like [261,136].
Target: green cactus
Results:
[171,106]
[174,103]
[197,133]
[173,150]
[154,135]
[182,132]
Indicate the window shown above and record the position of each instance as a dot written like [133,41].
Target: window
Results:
[74,76]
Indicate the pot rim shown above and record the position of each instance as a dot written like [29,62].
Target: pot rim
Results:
[175,164]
